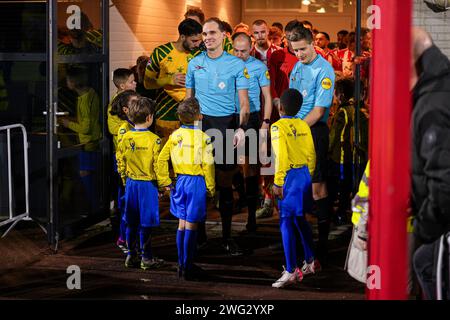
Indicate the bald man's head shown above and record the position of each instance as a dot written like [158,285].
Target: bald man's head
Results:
[421,41]
[242,44]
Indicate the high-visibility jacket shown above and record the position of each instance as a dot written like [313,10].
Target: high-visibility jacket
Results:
[360,204]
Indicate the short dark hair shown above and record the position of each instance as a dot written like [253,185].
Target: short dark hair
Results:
[140,109]
[259,22]
[227,27]
[242,35]
[188,110]
[218,21]
[292,101]
[291,25]
[301,33]
[327,36]
[307,23]
[346,87]
[78,75]
[189,27]
[122,100]
[278,25]
[121,75]
[343,32]
[196,12]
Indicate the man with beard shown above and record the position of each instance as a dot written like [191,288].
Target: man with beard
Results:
[167,69]
[322,41]
[263,48]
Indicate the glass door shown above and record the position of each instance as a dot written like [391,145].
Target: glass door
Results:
[23,101]
[77,147]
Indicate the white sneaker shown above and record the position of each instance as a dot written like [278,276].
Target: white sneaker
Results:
[311,268]
[288,278]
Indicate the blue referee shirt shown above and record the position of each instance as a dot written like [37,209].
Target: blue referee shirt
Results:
[315,81]
[216,82]
[259,77]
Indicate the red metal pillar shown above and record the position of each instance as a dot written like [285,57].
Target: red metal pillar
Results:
[390,151]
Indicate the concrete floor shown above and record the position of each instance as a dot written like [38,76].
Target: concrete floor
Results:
[30,270]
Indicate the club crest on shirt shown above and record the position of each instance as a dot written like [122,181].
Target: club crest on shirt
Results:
[132,144]
[222,85]
[304,93]
[293,130]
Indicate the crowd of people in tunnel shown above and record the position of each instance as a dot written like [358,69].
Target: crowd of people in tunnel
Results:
[250,82]
[294,89]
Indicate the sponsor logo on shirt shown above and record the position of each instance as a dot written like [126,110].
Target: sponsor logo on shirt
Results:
[246,73]
[267,75]
[327,84]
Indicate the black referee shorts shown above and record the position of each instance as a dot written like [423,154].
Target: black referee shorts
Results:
[221,124]
[321,138]
[251,137]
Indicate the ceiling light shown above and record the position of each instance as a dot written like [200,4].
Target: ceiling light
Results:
[306,2]
[321,10]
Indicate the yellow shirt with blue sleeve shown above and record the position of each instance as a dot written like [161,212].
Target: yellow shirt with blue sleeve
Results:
[191,153]
[293,147]
[137,155]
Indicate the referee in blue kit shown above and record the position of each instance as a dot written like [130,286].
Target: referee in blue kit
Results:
[314,77]
[214,77]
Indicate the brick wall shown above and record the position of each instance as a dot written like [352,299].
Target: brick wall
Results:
[138,26]
[437,24]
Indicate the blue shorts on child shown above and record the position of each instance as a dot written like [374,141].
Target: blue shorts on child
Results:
[188,199]
[297,193]
[141,203]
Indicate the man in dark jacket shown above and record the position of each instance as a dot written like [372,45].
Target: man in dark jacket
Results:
[430,155]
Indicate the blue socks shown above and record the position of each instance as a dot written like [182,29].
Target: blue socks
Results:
[131,240]
[190,244]
[306,237]
[180,246]
[146,248]
[288,237]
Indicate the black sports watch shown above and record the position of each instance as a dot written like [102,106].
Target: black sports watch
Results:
[266,121]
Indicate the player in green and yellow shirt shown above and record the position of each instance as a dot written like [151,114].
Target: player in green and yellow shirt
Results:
[167,69]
